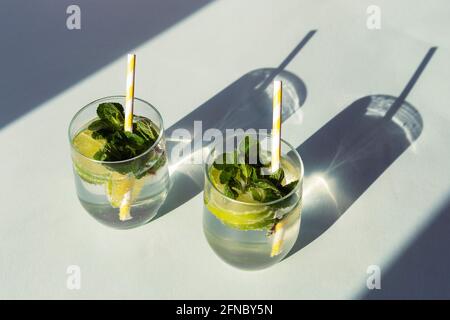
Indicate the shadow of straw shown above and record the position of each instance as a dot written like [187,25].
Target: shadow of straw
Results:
[351,151]
[245,104]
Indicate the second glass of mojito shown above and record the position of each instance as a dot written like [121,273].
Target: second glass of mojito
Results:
[251,216]
[121,177]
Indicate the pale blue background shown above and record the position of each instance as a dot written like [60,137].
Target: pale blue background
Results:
[201,60]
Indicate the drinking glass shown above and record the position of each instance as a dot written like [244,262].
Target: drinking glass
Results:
[253,235]
[102,185]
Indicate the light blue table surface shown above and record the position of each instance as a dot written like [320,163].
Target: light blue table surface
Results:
[372,197]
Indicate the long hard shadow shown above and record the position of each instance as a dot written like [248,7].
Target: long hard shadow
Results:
[41,57]
[244,104]
[351,151]
[421,271]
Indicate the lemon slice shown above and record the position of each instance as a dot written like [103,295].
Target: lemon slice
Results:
[86,145]
[88,170]
[243,220]
[235,214]
[239,215]
[118,185]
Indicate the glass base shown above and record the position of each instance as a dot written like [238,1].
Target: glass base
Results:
[247,249]
[141,212]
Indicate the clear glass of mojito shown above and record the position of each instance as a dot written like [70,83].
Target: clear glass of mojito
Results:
[121,177]
[251,215]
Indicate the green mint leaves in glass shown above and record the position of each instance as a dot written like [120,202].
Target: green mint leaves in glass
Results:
[251,214]
[121,177]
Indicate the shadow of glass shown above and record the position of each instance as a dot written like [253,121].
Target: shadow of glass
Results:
[421,271]
[347,155]
[244,104]
[246,107]
[48,58]
[350,152]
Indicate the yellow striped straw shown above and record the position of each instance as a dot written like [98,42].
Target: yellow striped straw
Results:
[129,99]
[125,205]
[276,125]
[277,243]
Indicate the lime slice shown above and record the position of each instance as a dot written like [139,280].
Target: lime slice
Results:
[238,215]
[88,170]
[246,197]
[214,175]
[92,173]
[250,220]
[86,145]
[234,214]
[118,185]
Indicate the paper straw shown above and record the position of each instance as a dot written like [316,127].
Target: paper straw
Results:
[125,205]
[277,243]
[276,125]
[276,155]
[129,99]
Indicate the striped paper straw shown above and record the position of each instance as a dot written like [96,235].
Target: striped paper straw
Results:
[277,243]
[276,125]
[278,236]
[125,205]
[129,99]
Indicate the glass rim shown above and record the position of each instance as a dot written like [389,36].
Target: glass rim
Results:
[148,104]
[297,187]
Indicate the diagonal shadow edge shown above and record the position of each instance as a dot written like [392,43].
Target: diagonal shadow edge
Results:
[50,58]
[421,270]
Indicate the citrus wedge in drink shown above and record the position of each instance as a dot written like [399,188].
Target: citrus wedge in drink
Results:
[241,214]
[88,170]
[118,185]
[243,220]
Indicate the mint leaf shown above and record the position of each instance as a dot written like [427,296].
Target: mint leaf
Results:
[101,134]
[243,177]
[97,125]
[121,145]
[246,170]
[144,128]
[226,175]
[271,195]
[254,175]
[277,177]
[135,140]
[257,194]
[112,114]
[289,187]
[229,192]
[264,184]
[267,191]
[235,184]
[100,155]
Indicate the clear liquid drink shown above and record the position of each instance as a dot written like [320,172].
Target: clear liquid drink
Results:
[245,230]
[126,193]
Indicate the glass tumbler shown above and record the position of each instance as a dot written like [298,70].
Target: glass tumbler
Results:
[253,235]
[121,194]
